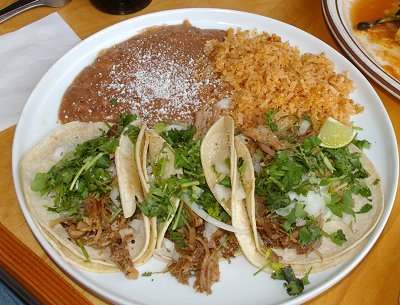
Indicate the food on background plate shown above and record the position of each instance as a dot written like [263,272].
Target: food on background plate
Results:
[377,28]
[77,199]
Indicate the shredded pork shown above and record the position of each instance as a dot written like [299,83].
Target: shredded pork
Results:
[273,235]
[199,257]
[96,230]
[206,117]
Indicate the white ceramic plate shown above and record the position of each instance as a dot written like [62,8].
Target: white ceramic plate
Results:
[337,16]
[237,284]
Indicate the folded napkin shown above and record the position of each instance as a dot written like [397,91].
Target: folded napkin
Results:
[25,55]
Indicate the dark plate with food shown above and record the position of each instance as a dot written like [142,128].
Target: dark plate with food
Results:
[368,31]
[208,152]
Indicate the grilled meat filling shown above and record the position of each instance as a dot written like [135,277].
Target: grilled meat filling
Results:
[96,230]
[273,235]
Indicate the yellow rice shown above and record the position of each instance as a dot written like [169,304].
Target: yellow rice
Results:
[265,72]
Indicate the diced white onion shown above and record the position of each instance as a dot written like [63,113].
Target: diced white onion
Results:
[222,193]
[222,168]
[257,167]
[292,195]
[136,225]
[315,203]
[285,211]
[347,218]
[176,126]
[304,125]
[201,213]
[112,169]
[169,245]
[224,103]
[300,222]
[114,196]
[209,230]
[167,249]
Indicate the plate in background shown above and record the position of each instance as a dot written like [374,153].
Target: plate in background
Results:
[337,16]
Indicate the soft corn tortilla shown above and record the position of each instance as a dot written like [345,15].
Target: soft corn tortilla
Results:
[331,253]
[39,160]
[131,192]
[152,148]
[216,147]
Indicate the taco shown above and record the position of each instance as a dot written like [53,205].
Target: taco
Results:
[222,158]
[157,163]
[308,207]
[75,197]
[192,225]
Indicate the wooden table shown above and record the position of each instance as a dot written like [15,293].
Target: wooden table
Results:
[375,281]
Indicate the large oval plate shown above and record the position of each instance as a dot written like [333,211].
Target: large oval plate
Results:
[337,16]
[237,285]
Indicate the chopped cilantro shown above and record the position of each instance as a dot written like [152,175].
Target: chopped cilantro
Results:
[294,286]
[308,234]
[190,186]
[307,167]
[147,273]
[338,237]
[81,172]
[270,120]
[226,181]
[241,166]
[361,144]
[365,209]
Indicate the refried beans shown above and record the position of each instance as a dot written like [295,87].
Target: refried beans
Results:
[161,74]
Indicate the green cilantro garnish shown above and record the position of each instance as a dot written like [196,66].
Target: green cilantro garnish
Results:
[270,120]
[81,172]
[147,273]
[294,286]
[191,184]
[365,209]
[308,234]
[84,251]
[337,237]
[361,144]
[307,167]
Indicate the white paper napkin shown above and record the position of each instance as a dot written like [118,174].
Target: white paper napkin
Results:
[25,55]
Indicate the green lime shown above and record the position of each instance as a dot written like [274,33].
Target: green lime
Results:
[334,134]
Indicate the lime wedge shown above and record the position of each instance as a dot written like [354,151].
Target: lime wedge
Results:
[334,134]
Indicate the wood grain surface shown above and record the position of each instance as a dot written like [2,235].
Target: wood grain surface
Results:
[376,280]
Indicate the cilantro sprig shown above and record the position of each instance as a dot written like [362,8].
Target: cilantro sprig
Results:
[83,171]
[294,286]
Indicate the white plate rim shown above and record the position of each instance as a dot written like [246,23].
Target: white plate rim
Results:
[308,294]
